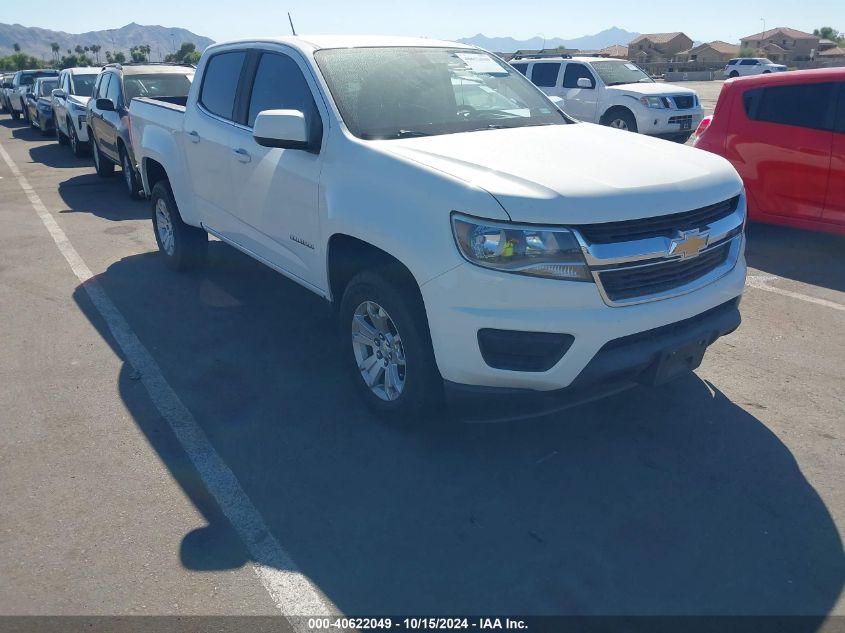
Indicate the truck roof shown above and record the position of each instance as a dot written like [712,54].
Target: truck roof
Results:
[317,42]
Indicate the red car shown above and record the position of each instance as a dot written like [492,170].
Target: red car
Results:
[785,135]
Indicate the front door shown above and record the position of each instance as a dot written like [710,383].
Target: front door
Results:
[277,196]
[581,103]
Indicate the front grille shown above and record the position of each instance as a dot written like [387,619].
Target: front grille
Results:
[621,284]
[660,226]
[685,118]
[683,102]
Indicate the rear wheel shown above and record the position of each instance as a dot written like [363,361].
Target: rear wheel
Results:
[104,167]
[388,348]
[733,74]
[15,115]
[183,246]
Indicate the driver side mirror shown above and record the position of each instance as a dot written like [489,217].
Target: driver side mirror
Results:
[281,128]
[59,93]
[584,82]
[107,105]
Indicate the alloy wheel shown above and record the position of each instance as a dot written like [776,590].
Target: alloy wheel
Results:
[619,124]
[165,227]
[378,351]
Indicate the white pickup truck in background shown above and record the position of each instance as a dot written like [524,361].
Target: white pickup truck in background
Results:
[616,93]
[476,241]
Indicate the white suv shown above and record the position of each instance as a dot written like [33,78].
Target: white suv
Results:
[616,93]
[742,66]
[69,101]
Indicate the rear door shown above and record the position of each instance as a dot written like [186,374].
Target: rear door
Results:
[781,143]
[207,140]
[111,120]
[834,207]
[97,123]
[545,76]
[277,197]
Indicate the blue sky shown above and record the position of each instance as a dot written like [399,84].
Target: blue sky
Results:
[227,19]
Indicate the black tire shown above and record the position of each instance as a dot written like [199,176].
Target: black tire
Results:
[733,74]
[618,117]
[190,244]
[422,389]
[61,137]
[45,131]
[130,177]
[682,138]
[104,167]
[15,115]
[76,146]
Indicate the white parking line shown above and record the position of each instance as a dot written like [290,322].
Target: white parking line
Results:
[761,282]
[290,590]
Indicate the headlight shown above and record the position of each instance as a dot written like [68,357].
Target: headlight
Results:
[76,107]
[652,102]
[549,252]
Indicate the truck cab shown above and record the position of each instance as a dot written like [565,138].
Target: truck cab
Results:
[616,93]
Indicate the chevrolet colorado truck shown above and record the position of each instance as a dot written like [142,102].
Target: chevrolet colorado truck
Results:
[482,248]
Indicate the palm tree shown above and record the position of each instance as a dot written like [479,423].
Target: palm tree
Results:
[79,50]
[17,47]
[55,46]
[95,48]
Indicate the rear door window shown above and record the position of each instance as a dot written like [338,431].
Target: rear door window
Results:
[802,105]
[544,74]
[748,62]
[220,83]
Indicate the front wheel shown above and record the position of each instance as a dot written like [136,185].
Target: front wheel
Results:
[15,115]
[733,74]
[388,348]
[129,175]
[621,120]
[76,146]
[61,137]
[104,167]
[182,245]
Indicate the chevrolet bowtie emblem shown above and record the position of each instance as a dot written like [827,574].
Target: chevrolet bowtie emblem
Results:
[689,244]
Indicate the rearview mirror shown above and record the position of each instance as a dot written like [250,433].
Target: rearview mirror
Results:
[281,128]
[105,104]
[59,93]
[584,82]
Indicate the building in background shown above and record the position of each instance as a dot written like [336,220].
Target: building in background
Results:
[658,47]
[783,45]
[618,51]
[711,52]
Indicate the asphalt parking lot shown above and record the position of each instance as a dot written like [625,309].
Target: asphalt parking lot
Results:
[722,493]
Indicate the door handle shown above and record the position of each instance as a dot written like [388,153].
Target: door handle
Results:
[194,136]
[242,155]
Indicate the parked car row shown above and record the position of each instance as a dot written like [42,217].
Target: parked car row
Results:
[785,135]
[423,188]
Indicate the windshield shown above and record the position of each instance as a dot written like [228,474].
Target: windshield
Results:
[162,85]
[615,73]
[47,86]
[83,85]
[395,92]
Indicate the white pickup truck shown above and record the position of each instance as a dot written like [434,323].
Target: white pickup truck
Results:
[479,244]
[616,93]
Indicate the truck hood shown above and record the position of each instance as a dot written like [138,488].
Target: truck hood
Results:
[651,89]
[573,174]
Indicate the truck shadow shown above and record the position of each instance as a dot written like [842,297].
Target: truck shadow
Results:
[104,197]
[806,256]
[673,501]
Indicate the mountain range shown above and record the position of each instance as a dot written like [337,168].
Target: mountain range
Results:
[613,35]
[36,41]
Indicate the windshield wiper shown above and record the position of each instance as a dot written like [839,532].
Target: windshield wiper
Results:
[492,126]
[410,133]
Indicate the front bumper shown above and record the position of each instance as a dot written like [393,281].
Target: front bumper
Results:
[468,298]
[668,122]
[650,357]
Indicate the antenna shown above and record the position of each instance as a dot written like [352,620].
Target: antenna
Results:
[292,30]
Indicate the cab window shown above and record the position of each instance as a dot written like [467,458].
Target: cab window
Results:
[220,83]
[544,74]
[573,73]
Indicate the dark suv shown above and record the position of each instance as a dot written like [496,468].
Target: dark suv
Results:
[109,125]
